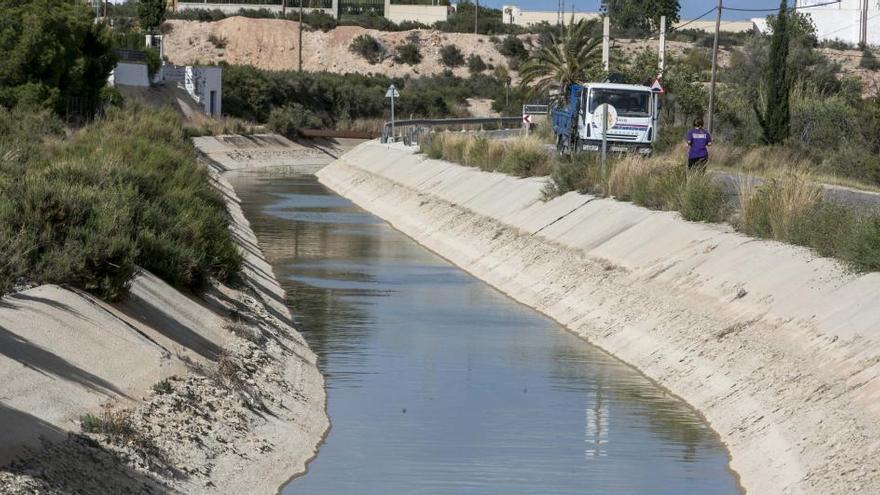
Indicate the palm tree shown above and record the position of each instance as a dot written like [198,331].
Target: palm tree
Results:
[571,60]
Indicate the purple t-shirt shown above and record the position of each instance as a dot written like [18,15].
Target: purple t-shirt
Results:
[698,139]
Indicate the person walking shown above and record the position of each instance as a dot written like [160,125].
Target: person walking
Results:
[698,141]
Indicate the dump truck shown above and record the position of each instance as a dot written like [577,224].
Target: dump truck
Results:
[632,118]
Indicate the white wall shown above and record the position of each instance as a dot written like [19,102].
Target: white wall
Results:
[200,82]
[511,14]
[232,8]
[426,14]
[130,74]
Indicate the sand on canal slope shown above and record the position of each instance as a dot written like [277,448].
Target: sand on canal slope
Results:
[778,348]
[239,406]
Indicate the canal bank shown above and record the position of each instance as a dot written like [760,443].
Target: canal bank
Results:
[776,347]
[165,392]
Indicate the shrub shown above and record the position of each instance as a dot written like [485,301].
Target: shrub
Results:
[408,53]
[289,120]
[869,61]
[475,64]
[163,387]
[124,193]
[702,200]
[776,208]
[368,47]
[451,56]
[525,157]
[217,41]
[513,48]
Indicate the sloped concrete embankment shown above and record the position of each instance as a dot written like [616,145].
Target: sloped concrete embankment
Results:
[779,349]
[243,408]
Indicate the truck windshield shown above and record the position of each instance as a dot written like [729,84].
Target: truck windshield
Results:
[627,103]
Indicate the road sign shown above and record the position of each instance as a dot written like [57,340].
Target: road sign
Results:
[657,87]
[392,92]
[599,116]
[527,119]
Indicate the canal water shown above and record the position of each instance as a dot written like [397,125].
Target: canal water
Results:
[439,384]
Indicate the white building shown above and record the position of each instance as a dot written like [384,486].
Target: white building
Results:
[840,21]
[511,14]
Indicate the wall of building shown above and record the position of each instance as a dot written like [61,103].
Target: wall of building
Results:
[426,14]
[232,8]
[515,15]
[130,74]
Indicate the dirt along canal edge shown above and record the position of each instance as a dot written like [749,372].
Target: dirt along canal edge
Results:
[776,347]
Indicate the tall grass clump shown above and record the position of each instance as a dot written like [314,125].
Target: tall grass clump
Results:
[123,193]
[793,210]
[524,157]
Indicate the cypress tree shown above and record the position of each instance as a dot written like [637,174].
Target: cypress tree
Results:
[775,119]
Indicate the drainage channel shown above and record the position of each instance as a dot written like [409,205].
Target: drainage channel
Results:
[439,384]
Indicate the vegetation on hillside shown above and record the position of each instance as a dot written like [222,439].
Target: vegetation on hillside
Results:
[336,100]
[90,206]
[122,193]
[53,56]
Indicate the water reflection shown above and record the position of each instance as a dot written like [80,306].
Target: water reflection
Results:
[439,384]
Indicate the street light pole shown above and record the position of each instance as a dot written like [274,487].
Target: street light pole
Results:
[476,15]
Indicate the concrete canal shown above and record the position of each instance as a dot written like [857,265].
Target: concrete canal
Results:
[439,384]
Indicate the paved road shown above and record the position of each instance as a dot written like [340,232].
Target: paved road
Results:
[845,196]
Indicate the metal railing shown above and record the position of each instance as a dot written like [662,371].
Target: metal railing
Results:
[410,131]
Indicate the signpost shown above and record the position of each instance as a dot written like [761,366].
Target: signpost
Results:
[657,89]
[392,93]
[606,115]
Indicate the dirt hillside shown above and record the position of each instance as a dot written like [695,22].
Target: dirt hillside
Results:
[272,44]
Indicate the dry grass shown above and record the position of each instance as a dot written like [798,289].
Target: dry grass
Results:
[524,156]
[776,208]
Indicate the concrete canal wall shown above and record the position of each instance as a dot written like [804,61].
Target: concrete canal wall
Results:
[65,353]
[778,348]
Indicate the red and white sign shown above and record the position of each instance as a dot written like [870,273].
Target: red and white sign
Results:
[527,119]
[657,87]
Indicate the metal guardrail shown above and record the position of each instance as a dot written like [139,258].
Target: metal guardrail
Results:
[411,130]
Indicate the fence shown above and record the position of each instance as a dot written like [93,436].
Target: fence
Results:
[410,131]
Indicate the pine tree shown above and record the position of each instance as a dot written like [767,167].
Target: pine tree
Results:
[776,117]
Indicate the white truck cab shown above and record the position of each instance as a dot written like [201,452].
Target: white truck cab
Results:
[635,128]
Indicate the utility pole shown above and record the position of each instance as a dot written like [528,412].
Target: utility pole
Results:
[476,15]
[661,56]
[301,35]
[863,25]
[714,65]
[606,41]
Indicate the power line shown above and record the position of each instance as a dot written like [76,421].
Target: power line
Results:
[737,9]
[677,28]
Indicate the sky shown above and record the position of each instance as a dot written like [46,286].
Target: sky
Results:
[689,8]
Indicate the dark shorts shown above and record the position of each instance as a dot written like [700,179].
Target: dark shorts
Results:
[697,163]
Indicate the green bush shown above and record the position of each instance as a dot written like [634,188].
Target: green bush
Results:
[289,120]
[124,193]
[367,47]
[513,48]
[451,56]
[869,61]
[217,41]
[475,64]
[408,53]
[702,200]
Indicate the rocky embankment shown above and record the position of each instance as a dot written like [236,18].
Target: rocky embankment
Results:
[166,392]
[777,347]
